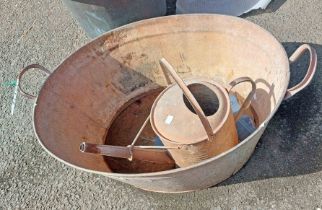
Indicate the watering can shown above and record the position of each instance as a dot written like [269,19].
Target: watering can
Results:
[195,115]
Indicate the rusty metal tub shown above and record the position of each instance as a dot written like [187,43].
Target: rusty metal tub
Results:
[81,98]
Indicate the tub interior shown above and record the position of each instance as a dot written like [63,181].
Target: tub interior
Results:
[83,99]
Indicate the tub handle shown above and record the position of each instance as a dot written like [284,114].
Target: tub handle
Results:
[23,71]
[169,70]
[250,96]
[310,72]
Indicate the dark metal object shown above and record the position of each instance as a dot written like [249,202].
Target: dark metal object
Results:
[99,16]
[171,7]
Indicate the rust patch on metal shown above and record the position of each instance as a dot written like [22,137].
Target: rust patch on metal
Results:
[130,80]
[114,40]
[126,60]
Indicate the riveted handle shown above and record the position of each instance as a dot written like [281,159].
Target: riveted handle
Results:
[168,69]
[23,71]
[248,99]
[310,71]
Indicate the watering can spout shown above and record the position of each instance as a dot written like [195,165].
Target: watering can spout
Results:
[106,150]
[151,155]
[86,147]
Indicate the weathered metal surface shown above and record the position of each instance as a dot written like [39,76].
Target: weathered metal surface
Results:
[81,99]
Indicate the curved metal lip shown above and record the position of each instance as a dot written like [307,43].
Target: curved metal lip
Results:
[201,81]
[163,174]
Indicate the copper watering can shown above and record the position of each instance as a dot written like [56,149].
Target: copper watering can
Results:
[195,115]
[177,122]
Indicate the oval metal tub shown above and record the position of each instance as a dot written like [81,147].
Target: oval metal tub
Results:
[82,97]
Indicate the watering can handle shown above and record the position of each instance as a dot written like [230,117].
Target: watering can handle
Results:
[23,71]
[250,96]
[168,69]
[310,72]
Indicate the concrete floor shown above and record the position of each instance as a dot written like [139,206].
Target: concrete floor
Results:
[285,171]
